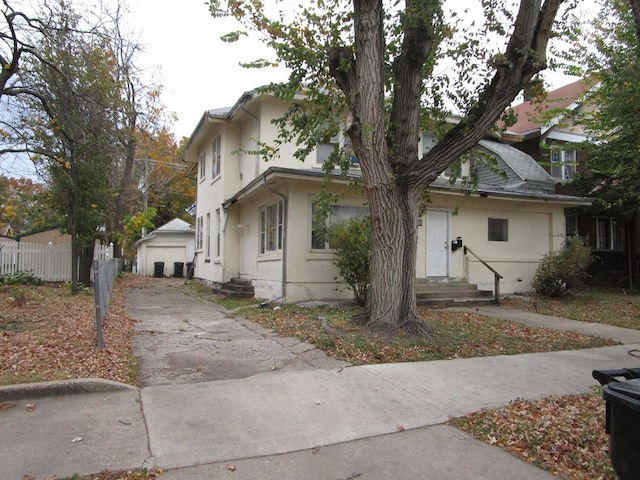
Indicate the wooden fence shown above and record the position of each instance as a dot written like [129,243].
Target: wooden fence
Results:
[52,263]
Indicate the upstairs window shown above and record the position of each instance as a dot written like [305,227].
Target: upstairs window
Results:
[429,141]
[563,164]
[215,162]
[324,151]
[203,165]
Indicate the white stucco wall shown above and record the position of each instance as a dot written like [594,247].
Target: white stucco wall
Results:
[534,229]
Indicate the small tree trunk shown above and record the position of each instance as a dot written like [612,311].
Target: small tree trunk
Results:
[75,257]
[85,263]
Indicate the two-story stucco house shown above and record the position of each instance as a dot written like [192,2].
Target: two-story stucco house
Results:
[254,218]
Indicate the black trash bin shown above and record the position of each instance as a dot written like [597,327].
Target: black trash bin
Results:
[189,270]
[158,269]
[178,269]
[622,419]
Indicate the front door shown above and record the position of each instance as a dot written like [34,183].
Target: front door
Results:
[437,243]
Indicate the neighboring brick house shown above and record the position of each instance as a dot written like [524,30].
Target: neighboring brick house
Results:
[547,131]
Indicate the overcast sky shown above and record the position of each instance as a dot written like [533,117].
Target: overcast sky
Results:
[198,70]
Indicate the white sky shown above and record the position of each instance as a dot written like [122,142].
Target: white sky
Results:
[198,70]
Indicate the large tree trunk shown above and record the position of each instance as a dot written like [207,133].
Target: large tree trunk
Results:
[392,298]
[393,176]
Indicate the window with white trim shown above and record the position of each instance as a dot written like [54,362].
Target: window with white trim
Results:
[607,234]
[271,227]
[337,214]
[218,232]
[498,230]
[324,150]
[216,156]
[203,165]
[571,225]
[563,163]
[199,232]
[429,141]
[208,235]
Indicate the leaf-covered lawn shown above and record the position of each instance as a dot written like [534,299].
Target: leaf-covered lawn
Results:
[564,435]
[47,334]
[122,475]
[455,335]
[618,308]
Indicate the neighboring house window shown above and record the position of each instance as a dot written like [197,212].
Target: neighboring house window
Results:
[271,227]
[336,214]
[498,230]
[563,163]
[208,243]
[203,165]
[607,234]
[218,232]
[199,228]
[215,163]
[571,225]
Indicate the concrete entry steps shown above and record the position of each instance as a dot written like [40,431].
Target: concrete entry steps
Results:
[237,288]
[450,292]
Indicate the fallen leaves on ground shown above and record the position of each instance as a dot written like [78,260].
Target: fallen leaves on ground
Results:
[564,435]
[121,475]
[48,334]
[618,308]
[455,335]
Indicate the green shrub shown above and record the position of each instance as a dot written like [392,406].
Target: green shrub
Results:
[351,241]
[564,269]
[20,278]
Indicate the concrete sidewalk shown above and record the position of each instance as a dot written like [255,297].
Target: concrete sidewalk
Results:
[298,420]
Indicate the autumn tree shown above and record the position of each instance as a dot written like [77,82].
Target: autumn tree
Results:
[162,176]
[75,139]
[79,120]
[377,60]
[23,205]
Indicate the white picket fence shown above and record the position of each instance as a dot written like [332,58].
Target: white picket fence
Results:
[50,262]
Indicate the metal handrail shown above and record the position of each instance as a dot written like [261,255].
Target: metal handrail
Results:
[496,275]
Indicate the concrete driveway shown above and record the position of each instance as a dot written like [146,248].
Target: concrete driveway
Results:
[180,339]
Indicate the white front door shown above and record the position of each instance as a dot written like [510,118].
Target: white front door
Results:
[437,243]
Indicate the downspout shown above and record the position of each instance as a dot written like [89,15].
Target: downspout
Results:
[285,224]
[256,171]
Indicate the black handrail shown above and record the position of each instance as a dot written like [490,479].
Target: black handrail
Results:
[496,275]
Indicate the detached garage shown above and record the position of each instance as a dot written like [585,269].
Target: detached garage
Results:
[165,251]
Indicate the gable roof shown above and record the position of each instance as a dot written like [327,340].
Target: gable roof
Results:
[175,225]
[530,120]
[5,229]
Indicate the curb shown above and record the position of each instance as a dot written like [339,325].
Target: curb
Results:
[62,387]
